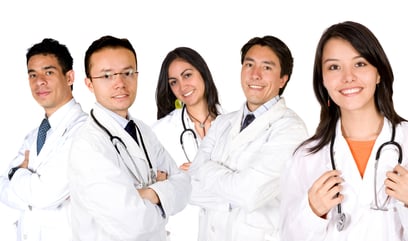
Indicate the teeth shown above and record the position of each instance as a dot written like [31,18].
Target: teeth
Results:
[188,93]
[350,91]
[255,86]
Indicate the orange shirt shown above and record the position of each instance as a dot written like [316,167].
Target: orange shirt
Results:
[361,151]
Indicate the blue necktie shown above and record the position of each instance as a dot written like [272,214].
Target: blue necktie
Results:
[42,134]
[248,119]
[131,129]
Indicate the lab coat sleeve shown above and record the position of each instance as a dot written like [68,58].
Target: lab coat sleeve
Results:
[174,193]
[257,184]
[45,188]
[298,222]
[101,189]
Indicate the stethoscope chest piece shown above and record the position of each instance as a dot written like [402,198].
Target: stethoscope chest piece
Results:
[341,221]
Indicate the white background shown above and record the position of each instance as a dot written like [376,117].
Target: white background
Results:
[216,29]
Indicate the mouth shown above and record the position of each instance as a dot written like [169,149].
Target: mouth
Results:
[121,96]
[351,91]
[188,93]
[43,93]
[255,86]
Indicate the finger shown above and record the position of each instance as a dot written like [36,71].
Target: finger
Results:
[323,179]
[400,170]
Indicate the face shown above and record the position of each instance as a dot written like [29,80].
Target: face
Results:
[49,86]
[349,78]
[119,93]
[260,76]
[186,82]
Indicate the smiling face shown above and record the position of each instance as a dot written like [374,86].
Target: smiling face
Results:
[186,82]
[50,87]
[119,93]
[260,76]
[348,77]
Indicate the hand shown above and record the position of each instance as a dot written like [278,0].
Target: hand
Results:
[26,157]
[325,193]
[185,166]
[149,194]
[161,176]
[397,184]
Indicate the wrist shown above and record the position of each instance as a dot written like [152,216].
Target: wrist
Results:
[12,171]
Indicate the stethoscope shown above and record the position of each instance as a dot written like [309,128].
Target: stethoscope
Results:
[187,131]
[341,216]
[116,140]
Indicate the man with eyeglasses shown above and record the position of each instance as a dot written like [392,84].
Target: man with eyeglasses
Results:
[124,185]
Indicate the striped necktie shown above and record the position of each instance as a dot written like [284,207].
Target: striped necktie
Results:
[42,134]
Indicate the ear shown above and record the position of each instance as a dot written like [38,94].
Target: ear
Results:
[378,79]
[283,81]
[70,75]
[89,84]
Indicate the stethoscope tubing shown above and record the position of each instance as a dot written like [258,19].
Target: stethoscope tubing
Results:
[112,138]
[342,217]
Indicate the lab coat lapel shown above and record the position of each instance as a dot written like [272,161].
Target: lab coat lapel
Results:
[136,152]
[260,125]
[53,139]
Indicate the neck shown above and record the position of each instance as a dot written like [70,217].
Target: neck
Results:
[198,111]
[362,127]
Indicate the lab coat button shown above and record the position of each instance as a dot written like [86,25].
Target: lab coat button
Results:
[212,228]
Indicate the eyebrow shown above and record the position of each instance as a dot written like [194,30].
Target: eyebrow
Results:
[43,68]
[264,62]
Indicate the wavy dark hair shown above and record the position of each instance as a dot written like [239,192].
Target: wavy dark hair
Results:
[368,46]
[164,95]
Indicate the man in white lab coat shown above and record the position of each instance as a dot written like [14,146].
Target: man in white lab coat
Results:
[37,183]
[123,187]
[236,173]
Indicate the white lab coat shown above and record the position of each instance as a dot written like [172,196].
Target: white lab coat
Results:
[184,225]
[236,175]
[300,223]
[105,203]
[41,191]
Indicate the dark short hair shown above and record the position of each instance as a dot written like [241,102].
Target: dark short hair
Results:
[52,46]
[106,41]
[279,48]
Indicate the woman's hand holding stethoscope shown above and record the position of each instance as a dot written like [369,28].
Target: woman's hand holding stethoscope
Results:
[325,193]
[397,184]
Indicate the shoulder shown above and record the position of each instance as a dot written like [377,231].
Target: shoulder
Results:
[164,122]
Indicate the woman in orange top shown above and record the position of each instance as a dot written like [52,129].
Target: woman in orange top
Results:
[342,184]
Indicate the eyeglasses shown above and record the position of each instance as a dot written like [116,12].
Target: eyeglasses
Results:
[128,75]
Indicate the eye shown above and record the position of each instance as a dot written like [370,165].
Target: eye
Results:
[32,75]
[360,64]
[48,73]
[128,73]
[172,82]
[248,65]
[267,67]
[188,75]
[107,76]
[334,67]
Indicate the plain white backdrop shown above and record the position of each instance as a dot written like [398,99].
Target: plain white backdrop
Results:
[216,29]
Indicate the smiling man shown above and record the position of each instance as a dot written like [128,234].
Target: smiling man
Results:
[236,173]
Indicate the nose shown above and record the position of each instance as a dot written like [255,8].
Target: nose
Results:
[40,79]
[349,75]
[256,72]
